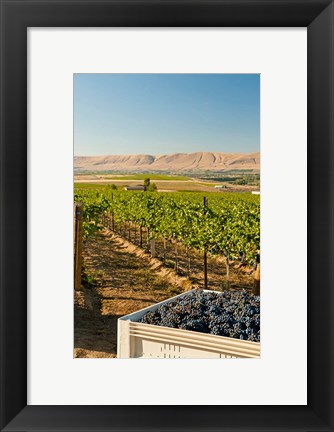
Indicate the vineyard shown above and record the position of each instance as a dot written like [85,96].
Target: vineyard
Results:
[204,239]
[225,225]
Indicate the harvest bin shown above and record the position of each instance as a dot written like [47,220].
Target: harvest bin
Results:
[139,340]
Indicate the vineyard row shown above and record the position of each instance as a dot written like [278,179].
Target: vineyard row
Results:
[227,225]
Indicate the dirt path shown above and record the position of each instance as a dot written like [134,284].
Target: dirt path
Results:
[126,279]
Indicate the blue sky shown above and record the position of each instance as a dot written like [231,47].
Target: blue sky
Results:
[166,113]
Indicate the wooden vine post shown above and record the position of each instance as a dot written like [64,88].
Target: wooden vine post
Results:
[205,257]
[188,263]
[256,284]
[112,214]
[176,265]
[148,239]
[164,250]
[152,248]
[228,272]
[78,209]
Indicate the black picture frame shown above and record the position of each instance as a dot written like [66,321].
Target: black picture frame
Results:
[16,17]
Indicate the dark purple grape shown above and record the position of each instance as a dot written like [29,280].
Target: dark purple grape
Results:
[231,314]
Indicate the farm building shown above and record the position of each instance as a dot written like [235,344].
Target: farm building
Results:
[256,192]
[137,187]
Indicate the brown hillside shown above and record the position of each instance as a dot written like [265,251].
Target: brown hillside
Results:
[177,162]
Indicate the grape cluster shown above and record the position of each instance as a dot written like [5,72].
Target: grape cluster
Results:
[232,314]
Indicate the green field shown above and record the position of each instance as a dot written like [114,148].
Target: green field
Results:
[109,177]
[90,185]
[192,186]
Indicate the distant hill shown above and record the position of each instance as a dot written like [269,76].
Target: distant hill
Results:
[177,162]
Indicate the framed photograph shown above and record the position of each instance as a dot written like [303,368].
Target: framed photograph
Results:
[162,247]
[150,119]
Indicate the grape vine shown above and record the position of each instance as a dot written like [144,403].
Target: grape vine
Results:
[229,225]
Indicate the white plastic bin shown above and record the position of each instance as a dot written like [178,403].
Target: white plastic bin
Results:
[138,340]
